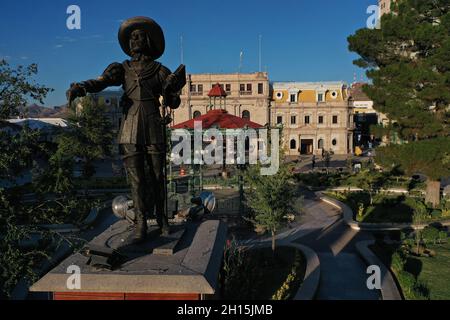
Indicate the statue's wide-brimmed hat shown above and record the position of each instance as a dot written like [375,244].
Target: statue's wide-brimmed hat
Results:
[151,27]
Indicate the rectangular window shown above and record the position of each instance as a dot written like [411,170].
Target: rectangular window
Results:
[320,119]
[260,88]
[335,119]
[306,119]
[249,87]
[193,88]
[293,98]
[320,97]
[200,88]
[293,119]
[228,87]
[279,119]
[242,87]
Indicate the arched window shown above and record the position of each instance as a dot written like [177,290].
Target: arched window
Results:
[320,144]
[197,114]
[246,114]
[293,144]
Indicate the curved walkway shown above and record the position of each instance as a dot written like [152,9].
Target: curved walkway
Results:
[342,272]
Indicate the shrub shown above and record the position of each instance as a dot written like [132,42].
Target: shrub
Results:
[430,235]
[436,214]
[412,289]
[286,290]
[409,242]
[421,291]
[407,282]
[360,211]
[443,236]
[446,213]
[398,261]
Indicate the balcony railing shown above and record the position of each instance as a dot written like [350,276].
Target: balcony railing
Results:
[315,104]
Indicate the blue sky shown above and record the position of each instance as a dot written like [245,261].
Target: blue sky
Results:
[301,40]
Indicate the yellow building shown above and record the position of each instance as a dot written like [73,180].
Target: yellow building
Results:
[315,116]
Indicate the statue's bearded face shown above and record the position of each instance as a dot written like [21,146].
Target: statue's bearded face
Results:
[139,42]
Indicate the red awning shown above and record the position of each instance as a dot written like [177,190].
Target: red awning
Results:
[217,91]
[220,119]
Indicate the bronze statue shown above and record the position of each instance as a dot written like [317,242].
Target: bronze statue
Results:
[142,131]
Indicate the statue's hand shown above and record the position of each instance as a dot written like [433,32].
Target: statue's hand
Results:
[76,90]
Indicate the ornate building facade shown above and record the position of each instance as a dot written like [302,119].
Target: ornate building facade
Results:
[315,117]
[247,96]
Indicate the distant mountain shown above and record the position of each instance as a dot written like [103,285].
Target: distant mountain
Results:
[37,111]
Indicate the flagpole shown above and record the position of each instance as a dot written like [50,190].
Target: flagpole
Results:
[182,49]
[260,38]
[240,60]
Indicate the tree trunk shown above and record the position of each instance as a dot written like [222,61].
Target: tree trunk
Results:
[418,242]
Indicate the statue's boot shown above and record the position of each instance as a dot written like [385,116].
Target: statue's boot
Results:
[139,233]
[163,224]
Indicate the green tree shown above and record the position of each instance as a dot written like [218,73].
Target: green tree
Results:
[270,197]
[369,180]
[428,157]
[89,137]
[408,62]
[17,151]
[430,235]
[420,214]
[17,88]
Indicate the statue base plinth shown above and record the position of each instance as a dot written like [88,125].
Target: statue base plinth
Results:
[183,265]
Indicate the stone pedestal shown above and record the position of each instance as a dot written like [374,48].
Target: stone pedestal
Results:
[185,265]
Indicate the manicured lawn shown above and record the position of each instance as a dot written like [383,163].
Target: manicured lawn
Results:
[436,272]
[389,209]
[384,208]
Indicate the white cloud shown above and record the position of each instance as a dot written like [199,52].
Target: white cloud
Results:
[66,39]
[2,57]
[94,36]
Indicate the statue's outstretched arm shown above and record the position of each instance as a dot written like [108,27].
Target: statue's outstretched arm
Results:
[112,76]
